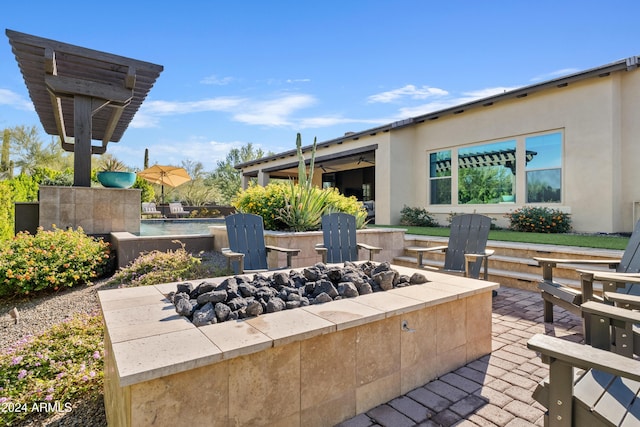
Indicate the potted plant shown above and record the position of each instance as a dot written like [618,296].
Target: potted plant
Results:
[115,174]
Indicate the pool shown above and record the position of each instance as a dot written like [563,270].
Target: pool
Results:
[177,227]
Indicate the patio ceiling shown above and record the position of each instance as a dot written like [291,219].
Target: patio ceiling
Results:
[350,159]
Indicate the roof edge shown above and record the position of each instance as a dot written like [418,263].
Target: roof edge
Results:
[627,64]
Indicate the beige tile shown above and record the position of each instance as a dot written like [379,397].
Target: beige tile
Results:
[451,323]
[430,293]
[177,400]
[236,338]
[117,304]
[149,329]
[418,348]
[126,293]
[375,393]
[288,326]
[265,386]
[117,400]
[341,408]
[153,357]
[133,316]
[390,302]
[346,313]
[451,359]
[328,368]
[377,350]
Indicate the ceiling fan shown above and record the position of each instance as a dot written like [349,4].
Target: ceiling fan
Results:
[363,159]
[326,169]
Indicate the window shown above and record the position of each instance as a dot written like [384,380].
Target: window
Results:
[544,168]
[440,177]
[486,173]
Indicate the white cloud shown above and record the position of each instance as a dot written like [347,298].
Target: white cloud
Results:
[215,80]
[449,102]
[327,121]
[410,91]
[274,112]
[8,97]
[212,104]
[555,74]
[174,152]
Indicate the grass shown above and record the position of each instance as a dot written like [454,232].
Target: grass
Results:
[599,241]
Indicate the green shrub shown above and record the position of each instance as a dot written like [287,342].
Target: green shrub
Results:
[156,267]
[539,220]
[50,260]
[417,217]
[204,212]
[337,202]
[270,200]
[57,368]
[264,201]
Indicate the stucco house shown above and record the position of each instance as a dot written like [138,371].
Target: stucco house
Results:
[571,143]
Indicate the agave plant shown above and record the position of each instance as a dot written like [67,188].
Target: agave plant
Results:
[304,203]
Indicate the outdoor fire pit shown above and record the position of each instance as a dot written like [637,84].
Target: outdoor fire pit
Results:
[315,365]
[241,297]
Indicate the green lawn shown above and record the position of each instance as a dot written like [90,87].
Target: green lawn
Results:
[581,240]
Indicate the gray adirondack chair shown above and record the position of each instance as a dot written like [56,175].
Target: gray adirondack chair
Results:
[247,250]
[603,394]
[466,252]
[339,239]
[616,285]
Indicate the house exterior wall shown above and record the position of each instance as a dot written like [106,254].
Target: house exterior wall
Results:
[598,120]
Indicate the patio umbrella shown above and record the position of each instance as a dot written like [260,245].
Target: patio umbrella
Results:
[165,175]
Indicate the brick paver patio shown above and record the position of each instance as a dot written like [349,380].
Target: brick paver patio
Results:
[491,391]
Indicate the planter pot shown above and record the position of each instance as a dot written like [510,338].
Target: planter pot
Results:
[113,179]
[508,198]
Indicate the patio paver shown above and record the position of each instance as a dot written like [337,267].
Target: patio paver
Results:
[494,390]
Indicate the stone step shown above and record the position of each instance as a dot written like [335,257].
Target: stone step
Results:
[513,264]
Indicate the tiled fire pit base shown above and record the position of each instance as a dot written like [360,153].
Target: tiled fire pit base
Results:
[312,366]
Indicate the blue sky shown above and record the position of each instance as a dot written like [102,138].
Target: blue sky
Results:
[260,71]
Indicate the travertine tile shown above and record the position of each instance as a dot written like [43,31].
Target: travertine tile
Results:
[236,338]
[126,293]
[132,316]
[160,355]
[418,348]
[377,350]
[149,329]
[391,303]
[117,304]
[377,392]
[288,326]
[341,408]
[179,399]
[451,323]
[328,366]
[264,387]
[430,293]
[346,313]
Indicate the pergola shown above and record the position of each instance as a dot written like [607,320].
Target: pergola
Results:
[82,94]
[506,158]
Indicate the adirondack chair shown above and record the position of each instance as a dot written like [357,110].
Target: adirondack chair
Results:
[247,250]
[149,209]
[622,281]
[177,209]
[604,394]
[465,252]
[339,239]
